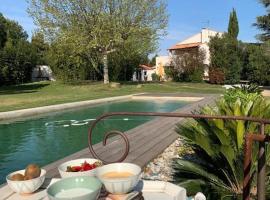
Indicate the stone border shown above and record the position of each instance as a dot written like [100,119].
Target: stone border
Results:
[30,112]
[59,107]
[167,98]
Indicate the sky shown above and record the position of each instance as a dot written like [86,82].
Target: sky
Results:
[187,17]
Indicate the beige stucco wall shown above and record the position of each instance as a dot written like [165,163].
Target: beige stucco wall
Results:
[193,39]
[161,62]
[203,37]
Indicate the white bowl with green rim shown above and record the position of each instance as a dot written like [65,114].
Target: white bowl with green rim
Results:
[75,188]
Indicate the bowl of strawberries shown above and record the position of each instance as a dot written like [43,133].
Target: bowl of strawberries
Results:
[79,167]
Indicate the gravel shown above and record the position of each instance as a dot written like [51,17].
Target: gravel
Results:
[161,167]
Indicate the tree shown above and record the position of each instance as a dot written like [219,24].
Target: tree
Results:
[188,66]
[233,28]
[153,60]
[103,26]
[263,22]
[40,46]
[3,31]
[258,65]
[17,57]
[123,63]
[226,54]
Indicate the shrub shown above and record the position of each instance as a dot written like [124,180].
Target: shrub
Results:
[216,76]
[188,66]
[155,77]
[216,164]
[258,67]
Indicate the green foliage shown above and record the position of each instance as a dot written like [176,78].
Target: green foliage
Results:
[246,90]
[226,53]
[233,28]
[263,22]
[216,163]
[257,69]
[17,62]
[216,76]
[3,31]
[40,47]
[187,66]
[170,73]
[155,77]
[123,63]
[102,27]
[226,57]
[69,66]
[17,57]
[153,60]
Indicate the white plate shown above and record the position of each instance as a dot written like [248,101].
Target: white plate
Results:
[159,190]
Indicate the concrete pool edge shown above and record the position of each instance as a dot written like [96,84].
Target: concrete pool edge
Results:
[58,107]
[17,114]
[167,98]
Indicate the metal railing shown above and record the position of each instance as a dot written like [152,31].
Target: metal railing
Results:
[249,139]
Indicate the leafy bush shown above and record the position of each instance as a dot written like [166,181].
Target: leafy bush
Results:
[226,57]
[258,66]
[17,56]
[216,164]
[216,76]
[155,77]
[187,66]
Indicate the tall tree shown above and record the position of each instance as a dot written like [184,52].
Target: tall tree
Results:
[3,31]
[226,61]
[258,65]
[40,46]
[263,22]
[17,57]
[103,26]
[233,28]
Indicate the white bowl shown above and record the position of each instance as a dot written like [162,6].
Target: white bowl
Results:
[63,167]
[75,188]
[119,185]
[27,186]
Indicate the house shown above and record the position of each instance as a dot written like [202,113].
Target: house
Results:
[198,41]
[144,73]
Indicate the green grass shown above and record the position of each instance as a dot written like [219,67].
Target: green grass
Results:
[50,93]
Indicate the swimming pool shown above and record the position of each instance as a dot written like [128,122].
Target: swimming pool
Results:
[46,139]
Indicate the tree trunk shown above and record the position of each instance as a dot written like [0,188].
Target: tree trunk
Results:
[105,69]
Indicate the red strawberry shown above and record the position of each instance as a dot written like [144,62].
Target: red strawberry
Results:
[86,166]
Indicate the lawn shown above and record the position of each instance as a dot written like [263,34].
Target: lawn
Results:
[50,93]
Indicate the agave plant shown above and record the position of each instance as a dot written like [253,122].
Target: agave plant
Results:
[215,164]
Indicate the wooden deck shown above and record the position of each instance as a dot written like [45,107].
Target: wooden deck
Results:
[147,141]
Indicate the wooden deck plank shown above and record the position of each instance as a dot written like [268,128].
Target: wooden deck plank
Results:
[155,150]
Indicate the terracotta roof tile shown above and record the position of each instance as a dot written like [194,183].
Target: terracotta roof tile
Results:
[145,67]
[184,46]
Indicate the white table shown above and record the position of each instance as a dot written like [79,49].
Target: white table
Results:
[152,190]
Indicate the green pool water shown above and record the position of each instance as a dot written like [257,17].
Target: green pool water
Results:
[46,139]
